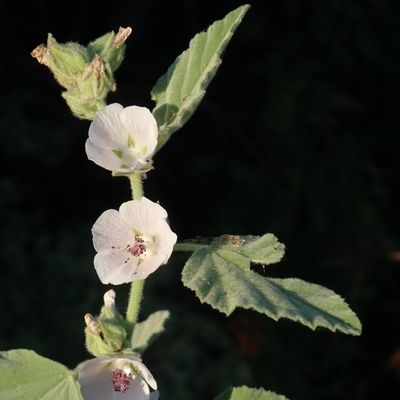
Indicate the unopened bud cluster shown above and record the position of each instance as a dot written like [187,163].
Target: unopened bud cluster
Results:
[105,334]
[86,73]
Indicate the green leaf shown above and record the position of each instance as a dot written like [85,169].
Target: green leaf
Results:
[221,276]
[24,375]
[180,90]
[245,393]
[264,250]
[147,331]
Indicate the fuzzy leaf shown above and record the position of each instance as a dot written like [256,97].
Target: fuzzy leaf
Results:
[246,393]
[221,276]
[180,90]
[24,375]
[147,331]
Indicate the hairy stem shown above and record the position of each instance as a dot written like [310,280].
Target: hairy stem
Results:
[135,299]
[136,293]
[136,185]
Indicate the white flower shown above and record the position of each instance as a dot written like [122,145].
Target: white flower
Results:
[118,377]
[122,139]
[131,243]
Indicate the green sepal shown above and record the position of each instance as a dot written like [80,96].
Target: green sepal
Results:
[108,50]
[85,72]
[92,87]
[113,328]
[96,80]
[107,333]
[96,345]
[66,61]
[81,106]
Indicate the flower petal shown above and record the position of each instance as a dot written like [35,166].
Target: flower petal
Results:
[141,126]
[154,395]
[143,214]
[146,374]
[106,130]
[165,241]
[111,233]
[116,268]
[149,265]
[104,157]
[95,378]
[95,381]
[138,390]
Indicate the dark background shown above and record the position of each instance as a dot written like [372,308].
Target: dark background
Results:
[298,135]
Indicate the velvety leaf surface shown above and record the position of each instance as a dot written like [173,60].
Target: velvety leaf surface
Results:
[24,375]
[246,393]
[180,90]
[221,276]
[147,331]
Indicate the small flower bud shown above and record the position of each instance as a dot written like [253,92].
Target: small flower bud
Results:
[109,299]
[105,334]
[66,61]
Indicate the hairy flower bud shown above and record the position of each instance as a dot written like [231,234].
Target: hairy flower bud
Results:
[105,334]
[85,72]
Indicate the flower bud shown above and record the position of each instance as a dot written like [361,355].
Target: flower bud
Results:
[109,299]
[96,80]
[106,334]
[94,338]
[66,61]
[110,47]
[85,72]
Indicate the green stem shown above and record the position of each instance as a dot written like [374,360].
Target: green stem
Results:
[136,293]
[135,298]
[187,246]
[136,185]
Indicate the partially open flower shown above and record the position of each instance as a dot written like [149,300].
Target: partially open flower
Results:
[133,242]
[121,139]
[117,377]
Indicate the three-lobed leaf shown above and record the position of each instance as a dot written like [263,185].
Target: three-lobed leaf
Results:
[220,274]
[147,331]
[24,375]
[246,393]
[180,90]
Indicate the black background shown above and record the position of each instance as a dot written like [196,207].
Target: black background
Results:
[297,135]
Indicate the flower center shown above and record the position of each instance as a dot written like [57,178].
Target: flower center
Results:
[138,247]
[121,380]
[131,157]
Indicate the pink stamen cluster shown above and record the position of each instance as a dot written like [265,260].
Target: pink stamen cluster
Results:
[138,247]
[121,381]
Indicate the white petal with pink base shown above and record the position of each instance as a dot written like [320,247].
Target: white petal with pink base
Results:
[117,377]
[133,242]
